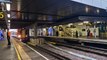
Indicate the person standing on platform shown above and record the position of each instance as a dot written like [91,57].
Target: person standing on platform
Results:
[8,37]
[57,33]
[88,33]
[94,33]
[76,34]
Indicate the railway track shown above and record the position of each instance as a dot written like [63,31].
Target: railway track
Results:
[91,56]
[51,53]
[95,48]
[62,54]
[56,52]
[89,49]
[73,54]
[58,56]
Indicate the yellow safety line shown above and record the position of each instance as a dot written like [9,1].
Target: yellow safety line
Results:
[23,56]
[18,55]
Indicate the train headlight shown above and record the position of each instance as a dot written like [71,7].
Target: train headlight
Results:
[19,36]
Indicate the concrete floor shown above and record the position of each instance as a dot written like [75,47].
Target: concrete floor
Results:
[7,52]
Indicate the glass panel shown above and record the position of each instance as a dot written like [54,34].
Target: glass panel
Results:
[96,3]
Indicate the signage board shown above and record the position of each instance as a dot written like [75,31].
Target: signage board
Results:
[1,15]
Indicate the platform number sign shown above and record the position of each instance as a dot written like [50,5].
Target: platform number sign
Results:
[1,15]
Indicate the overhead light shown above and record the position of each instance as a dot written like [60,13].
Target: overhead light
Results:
[8,27]
[8,24]
[8,6]
[98,21]
[86,9]
[98,10]
[86,22]
[8,15]
[9,21]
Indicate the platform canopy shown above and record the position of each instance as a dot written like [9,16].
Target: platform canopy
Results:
[26,12]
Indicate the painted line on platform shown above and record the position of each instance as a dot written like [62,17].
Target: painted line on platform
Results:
[18,54]
[22,53]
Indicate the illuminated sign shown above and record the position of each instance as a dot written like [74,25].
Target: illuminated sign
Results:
[1,15]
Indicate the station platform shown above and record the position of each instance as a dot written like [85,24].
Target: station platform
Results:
[90,40]
[7,52]
[18,51]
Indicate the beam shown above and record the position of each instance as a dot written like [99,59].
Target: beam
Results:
[34,13]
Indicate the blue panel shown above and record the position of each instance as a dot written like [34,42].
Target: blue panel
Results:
[1,35]
[50,31]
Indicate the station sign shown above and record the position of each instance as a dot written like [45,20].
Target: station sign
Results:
[1,15]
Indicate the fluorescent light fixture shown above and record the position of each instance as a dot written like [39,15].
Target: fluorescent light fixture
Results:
[8,24]
[8,15]
[8,6]
[86,9]
[98,10]
[98,21]
[86,22]
[9,21]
